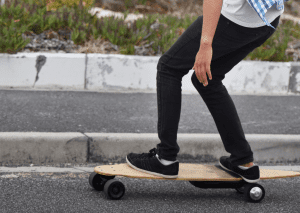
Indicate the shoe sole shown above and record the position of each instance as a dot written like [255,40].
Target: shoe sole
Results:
[152,173]
[247,180]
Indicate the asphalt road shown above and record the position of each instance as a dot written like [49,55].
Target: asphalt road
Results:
[64,111]
[48,192]
[56,111]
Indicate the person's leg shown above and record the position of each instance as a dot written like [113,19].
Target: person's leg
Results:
[229,41]
[172,66]
[230,46]
[219,101]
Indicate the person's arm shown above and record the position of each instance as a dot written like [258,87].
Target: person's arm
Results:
[211,15]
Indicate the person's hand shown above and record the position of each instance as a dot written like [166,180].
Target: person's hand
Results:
[202,63]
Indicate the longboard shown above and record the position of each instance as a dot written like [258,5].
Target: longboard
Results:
[199,175]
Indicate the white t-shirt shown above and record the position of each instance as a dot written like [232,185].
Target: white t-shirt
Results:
[241,13]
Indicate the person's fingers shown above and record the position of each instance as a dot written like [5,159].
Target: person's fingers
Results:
[200,73]
[209,73]
[203,77]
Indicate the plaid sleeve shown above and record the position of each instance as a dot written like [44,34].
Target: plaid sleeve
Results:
[262,6]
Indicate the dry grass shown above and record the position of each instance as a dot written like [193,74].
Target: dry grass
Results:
[97,46]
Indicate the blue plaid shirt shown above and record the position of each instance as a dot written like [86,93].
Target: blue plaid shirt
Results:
[261,7]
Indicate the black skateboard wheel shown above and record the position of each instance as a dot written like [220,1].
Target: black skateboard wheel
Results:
[254,192]
[114,189]
[97,181]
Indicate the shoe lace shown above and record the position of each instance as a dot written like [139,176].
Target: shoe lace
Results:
[151,153]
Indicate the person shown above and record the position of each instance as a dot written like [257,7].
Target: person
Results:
[226,33]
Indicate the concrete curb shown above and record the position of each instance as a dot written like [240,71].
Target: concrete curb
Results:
[105,72]
[46,148]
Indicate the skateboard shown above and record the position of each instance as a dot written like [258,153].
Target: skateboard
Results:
[199,175]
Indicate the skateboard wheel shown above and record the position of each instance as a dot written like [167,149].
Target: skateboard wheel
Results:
[114,189]
[254,192]
[97,181]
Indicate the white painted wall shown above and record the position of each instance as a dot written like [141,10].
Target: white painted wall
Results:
[60,71]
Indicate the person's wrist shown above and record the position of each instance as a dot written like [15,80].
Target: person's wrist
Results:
[205,43]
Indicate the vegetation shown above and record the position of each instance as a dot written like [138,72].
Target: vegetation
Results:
[21,16]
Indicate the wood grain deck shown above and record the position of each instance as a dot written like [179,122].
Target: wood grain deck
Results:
[191,172]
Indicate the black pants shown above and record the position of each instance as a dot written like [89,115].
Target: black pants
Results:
[231,44]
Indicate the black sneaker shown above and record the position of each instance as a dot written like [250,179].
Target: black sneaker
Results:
[251,175]
[148,163]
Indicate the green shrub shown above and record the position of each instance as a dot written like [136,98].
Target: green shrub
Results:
[20,16]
